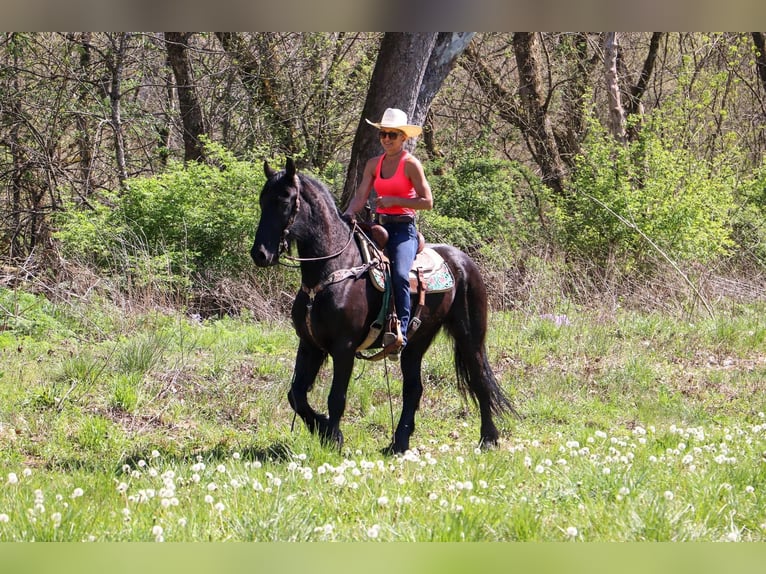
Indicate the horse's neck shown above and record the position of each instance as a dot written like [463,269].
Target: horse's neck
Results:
[327,246]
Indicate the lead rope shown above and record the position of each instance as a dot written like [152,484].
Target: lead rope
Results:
[390,401]
[388,388]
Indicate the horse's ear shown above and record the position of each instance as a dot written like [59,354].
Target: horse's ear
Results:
[290,167]
[267,170]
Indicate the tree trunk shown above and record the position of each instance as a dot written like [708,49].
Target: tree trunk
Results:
[396,83]
[638,89]
[115,93]
[17,156]
[191,111]
[83,131]
[617,121]
[446,50]
[570,135]
[259,77]
[536,123]
[760,57]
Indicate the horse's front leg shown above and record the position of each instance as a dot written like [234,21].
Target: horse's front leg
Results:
[308,361]
[343,365]
[412,391]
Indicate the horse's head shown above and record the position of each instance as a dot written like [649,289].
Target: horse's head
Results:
[280,202]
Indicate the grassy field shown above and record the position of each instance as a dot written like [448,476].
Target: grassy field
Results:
[157,426]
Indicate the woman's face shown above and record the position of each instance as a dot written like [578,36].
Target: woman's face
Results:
[391,140]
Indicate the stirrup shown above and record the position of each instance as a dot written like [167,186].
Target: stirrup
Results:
[392,344]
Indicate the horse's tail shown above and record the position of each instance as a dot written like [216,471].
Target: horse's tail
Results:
[499,403]
[472,369]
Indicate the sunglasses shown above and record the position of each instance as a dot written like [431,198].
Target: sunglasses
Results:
[383,135]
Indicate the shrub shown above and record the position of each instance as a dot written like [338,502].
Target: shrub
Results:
[192,218]
[480,202]
[654,187]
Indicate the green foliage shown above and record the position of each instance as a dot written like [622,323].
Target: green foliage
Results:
[478,203]
[194,217]
[749,221]
[201,214]
[27,314]
[656,185]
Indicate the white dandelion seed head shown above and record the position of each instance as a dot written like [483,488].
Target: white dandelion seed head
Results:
[13,478]
[571,531]
[668,494]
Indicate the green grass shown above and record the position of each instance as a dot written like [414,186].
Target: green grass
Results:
[637,427]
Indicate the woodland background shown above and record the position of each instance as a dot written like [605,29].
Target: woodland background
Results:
[596,168]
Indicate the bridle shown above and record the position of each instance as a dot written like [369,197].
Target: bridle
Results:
[284,243]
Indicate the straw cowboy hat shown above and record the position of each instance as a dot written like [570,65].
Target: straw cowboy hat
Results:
[396,119]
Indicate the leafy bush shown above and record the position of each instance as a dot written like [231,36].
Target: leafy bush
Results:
[749,221]
[204,213]
[192,218]
[32,315]
[655,187]
[479,201]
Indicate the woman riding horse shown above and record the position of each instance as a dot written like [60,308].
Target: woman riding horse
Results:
[401,188]
[337,304]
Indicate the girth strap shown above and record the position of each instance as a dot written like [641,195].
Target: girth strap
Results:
[334,277]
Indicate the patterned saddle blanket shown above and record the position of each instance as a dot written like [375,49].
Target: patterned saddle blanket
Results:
[431,266]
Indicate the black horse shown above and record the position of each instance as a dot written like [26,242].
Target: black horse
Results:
[337,303]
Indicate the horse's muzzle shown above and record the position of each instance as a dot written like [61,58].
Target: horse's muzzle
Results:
[263,257]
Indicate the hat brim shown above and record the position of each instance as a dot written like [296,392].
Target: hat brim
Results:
[408,130]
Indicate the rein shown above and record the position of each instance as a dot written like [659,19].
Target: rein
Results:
[324,257]
[283,244]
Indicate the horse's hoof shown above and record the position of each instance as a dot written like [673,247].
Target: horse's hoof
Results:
[319,424]
[332,437]
[487,443]
[393,449]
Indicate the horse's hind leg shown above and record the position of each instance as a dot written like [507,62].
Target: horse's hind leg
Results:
[468,327]
[308,361]
[473,370]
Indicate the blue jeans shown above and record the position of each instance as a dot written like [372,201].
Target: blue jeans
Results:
[402,248]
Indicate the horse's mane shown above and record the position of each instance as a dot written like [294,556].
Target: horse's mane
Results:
[319,191]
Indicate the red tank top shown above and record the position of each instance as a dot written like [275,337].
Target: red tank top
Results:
[398,185]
